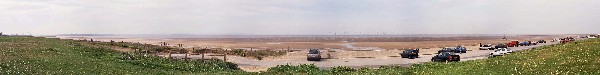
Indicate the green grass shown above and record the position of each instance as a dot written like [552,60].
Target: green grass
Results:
[576,58]
[31,55]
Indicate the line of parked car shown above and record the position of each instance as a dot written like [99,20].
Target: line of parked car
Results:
[447,54]
[503,48]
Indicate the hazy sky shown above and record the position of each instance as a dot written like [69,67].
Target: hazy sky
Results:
[300,16]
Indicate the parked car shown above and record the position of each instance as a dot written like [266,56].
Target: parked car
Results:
[532,43]
[314,55]
[411,54]
[513,43]
[446,50]
[571,39]
[524,44]
[501,46]
[460,49]
[542,41]
[446,57]
[486,47]
[564,40]
[500,52]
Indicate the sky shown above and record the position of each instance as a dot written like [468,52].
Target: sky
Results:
[299,17]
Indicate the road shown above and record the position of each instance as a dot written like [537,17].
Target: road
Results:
[358,62]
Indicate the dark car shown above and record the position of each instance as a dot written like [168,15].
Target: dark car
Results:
[410,54]
[460,49]
[501,46]
[313,55]
[525,44]
[446,50]
[532,43]
[542,41]
[446,57]
[571,39]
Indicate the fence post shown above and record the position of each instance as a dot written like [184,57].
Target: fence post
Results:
[169,54]
[202,51]
[186,55]
[225,57]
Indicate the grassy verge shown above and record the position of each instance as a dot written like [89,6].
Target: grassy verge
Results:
[257,54]
[153,49]
[31,55]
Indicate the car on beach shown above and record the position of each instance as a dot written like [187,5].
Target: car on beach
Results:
[313,55]
[446,50]
[460,49]
[564,40]
[446,57]
[501,46]
[410,54]
[525,43]
[532,43]
[513,43]
[486,47]
[541,41]
[500,52]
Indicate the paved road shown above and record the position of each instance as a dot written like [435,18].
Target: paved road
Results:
[358,62]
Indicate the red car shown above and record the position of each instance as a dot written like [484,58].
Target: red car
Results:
[513,43]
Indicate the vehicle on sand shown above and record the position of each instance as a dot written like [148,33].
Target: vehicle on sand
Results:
[313,55]
[513,43]
[446,50]
[446,57]
[541,41]
[486,47]
[500,52]
[410,54]
[501,46]
[524,44]
[460,49]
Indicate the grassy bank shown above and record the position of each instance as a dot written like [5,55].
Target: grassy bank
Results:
[30,55]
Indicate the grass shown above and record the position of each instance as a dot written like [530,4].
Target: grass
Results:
[153,49]
[257,54]
[31,55]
